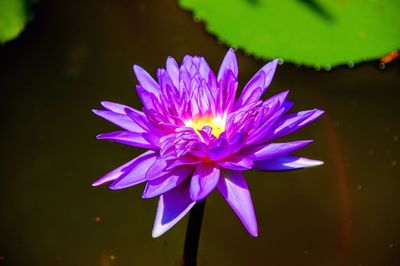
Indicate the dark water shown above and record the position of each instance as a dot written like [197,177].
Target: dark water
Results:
[77,53]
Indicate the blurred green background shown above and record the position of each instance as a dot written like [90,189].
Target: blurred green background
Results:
[318,33]
[73,54]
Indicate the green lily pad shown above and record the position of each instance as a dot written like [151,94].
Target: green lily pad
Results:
[13,16]
[319,33]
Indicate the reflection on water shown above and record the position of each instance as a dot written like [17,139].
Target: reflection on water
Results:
[75,54]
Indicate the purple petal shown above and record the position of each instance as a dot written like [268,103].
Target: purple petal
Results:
[229,62]
[166,182]
[225,97]
[120,120]
[186,160]
[173,71]
[262,133]
[219,149]
[204,69]
[187,61]
[139,118]
[118,108]
[137,171]
[277,100]
[152,138]
[292,122]
[236,143]
[204,180]
[172,206]
[261,80]
[269,151]
[236,162]
[205,133]
[128,138]
[287,104]
[166,84]
[158,168]
[252,91]
[146,81]
[148,99]
[118,172]
[234,189]
[269,71]
[311,118]
[286,163]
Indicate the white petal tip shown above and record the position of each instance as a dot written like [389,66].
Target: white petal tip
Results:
[118,187]
[157,232]
[114,187]
[252,229]
[254,234]
[146,195]
[137,70]
[315,163]
[154,235]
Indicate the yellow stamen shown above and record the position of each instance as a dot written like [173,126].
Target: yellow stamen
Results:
[217,123]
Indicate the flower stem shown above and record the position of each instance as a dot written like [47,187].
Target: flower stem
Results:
[193,234]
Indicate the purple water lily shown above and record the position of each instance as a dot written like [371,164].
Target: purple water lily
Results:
[199,138]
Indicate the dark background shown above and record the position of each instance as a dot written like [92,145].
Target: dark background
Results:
[74,54]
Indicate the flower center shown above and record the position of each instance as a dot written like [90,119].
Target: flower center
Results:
[217,123]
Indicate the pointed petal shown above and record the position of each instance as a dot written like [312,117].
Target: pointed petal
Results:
[128,138]
[146,81]
[234,189]
[236,162]
[118,108]
[139,118]
[173,71]
[149,99]
[236,143]
[292,122]
[204,180]
[172,206]
[225,97]
[168,181]
[157,169]
[118,172]
[269,71]
[286,163]
[186,160]
[287,104]
[229,62]
[261,80]
[137,173]
[269,151]
[277,100]
[252,91]
[263,132]
[204,69]
[311,118]
[120,120]
[187,61]
[219,149]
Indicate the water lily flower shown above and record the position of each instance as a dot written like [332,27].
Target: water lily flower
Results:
[199,138]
